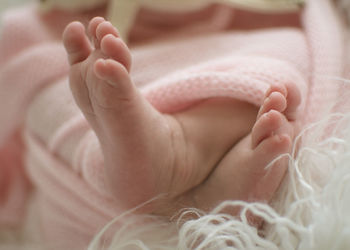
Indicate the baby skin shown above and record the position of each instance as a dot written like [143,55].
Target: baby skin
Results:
[215,150]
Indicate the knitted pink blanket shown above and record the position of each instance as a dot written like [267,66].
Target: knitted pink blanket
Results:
[46,146]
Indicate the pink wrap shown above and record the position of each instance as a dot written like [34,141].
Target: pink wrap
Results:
[62,157]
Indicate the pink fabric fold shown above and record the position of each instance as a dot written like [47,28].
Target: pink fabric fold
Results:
[14,184]
[63,158]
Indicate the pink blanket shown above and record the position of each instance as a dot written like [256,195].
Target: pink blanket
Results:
[46,146]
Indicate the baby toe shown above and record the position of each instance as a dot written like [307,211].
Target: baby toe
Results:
[94,23]
[293,97]
[114,48]
[274,101]
[293,101]
[106,28]
[76,43]
[270,124]
[273,168]
[273,146]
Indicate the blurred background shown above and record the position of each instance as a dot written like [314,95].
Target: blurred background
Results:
[4,4]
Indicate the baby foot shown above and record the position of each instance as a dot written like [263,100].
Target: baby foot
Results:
[132,133]
[242,173]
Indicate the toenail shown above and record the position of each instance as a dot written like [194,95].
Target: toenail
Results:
[112,36]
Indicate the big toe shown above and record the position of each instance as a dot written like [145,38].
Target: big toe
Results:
[270,157]
[76,43]
[270,124]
